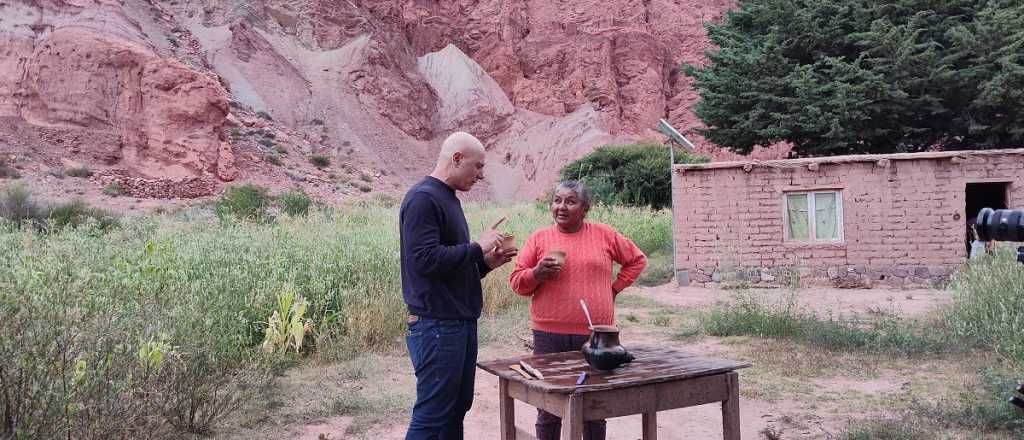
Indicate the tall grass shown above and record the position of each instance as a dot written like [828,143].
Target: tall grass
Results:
[989,305]
[79,304]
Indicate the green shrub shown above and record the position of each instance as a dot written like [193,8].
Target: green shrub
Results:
[78,172]
[365,188]
[7,172]
[365,177]
[632,175]
[295,202]
[17,206]
[113,189]
[320,161]
[77,213]
[246,202]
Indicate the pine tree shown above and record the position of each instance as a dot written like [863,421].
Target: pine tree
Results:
[857,76]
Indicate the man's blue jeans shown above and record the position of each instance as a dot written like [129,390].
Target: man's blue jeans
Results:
[443,353]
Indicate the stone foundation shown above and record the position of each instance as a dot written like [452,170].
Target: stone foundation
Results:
[844,277]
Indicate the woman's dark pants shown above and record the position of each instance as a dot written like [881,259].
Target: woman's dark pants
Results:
[549,426]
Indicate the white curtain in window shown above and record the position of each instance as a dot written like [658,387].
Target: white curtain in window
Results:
[796,213]
[826,216]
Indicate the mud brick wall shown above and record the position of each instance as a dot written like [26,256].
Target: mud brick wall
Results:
[903,220]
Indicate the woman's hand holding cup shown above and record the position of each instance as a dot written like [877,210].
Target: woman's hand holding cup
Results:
[549,266]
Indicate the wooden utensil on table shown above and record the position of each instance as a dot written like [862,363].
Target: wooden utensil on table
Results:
[519,370]
[531,370]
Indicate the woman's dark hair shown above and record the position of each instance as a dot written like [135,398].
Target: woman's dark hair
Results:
[577,187]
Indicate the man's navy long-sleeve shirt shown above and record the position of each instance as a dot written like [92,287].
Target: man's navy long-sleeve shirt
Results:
[441,268]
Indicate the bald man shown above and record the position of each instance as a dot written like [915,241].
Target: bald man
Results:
[441,272]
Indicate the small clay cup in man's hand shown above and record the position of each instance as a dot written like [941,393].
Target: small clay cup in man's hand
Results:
[508,242]
[559,256]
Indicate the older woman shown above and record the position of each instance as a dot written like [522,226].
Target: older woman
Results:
[556,283]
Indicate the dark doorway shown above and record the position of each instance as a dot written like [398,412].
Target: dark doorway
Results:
[983,195]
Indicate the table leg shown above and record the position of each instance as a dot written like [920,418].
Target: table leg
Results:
[506,411]
[731,407]
[650,426]
[572,420]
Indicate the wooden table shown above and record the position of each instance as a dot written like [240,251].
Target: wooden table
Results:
[659,379]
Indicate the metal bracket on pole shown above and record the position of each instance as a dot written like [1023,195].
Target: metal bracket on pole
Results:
[682,277]
[672,133]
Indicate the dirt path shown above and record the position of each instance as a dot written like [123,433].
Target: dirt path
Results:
[793,389]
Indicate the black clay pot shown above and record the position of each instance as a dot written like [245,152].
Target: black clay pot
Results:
[603,351]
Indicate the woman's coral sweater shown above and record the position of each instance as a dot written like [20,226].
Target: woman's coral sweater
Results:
[587,274]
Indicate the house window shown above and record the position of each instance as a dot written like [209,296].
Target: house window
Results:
[814,216]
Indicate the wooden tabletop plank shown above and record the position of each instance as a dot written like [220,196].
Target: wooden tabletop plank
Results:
[652,365]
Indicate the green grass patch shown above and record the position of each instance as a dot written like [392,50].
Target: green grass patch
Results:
[979,409]
[787,320]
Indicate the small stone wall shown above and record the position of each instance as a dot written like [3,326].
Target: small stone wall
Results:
[162,188]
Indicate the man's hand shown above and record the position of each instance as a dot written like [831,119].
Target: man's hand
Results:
[499,256]
[546,269]
[490,237]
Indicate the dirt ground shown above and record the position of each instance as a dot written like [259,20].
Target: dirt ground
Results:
[793,390]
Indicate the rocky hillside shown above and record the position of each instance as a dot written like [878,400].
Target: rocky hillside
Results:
[174,98]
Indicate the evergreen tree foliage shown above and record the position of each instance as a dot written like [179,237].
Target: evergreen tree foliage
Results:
[858,76]
[630,175]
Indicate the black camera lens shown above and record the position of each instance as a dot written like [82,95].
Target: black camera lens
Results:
[1000,225]
[1020,258]
[1017,402]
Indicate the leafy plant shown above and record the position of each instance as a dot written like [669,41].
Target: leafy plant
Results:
[287,326]
[246,202]
[631,175]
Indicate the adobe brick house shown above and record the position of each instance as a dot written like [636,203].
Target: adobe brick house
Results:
[854,221]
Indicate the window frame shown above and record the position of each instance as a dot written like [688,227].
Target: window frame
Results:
[811,231]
